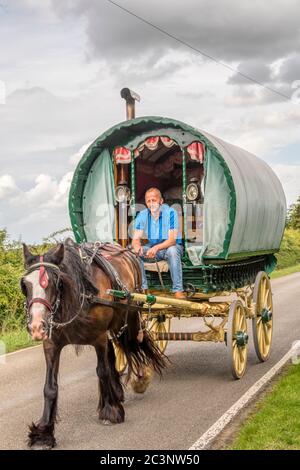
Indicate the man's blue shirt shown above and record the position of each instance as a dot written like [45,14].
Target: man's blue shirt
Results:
[157,231]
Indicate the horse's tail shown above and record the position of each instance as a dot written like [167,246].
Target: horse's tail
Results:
[140,353]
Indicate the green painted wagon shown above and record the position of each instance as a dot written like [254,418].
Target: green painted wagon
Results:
[232,210]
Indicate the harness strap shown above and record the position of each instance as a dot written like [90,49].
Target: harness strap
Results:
[93,299]
[159,274]
[35,266]
[106,266]
[38,300]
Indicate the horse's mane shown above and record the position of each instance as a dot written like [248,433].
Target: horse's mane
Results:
[75,281]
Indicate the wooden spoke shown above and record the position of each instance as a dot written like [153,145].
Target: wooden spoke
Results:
[157,325]
[262,323]
[237,339]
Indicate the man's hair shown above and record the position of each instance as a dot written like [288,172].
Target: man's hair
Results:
[150,190]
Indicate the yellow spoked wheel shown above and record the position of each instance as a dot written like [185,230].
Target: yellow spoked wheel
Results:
[237,339]
[262,323]
[121,361]
[160,324]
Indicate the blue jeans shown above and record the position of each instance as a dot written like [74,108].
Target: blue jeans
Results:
[173,256]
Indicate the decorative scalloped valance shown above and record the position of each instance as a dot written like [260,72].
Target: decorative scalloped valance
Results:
[196,149]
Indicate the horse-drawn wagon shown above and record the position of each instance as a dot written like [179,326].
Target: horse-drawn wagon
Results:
[228,212]
[231,208]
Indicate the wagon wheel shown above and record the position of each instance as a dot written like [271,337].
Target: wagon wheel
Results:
[237,339]
[160,324]
[121,361]
[262,323]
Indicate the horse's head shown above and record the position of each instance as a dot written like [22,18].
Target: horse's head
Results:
[41,286]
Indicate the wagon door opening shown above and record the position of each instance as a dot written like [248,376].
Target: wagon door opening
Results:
[158,164]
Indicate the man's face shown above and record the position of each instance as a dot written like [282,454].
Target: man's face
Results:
[153,201]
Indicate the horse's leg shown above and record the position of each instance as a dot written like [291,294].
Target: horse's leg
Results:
[41,434]
[141,380]
[110,389]
[114,373]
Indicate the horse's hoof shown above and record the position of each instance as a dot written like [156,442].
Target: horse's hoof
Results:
[140,383]
[40,447]
[106,422]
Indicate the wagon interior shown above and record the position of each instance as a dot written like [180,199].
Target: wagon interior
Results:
[162,167]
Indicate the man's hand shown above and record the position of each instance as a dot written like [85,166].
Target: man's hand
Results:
[151,253]
[138,250]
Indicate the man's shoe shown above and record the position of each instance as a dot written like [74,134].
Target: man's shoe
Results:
[180,295]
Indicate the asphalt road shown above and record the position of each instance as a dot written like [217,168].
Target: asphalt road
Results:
[174,412]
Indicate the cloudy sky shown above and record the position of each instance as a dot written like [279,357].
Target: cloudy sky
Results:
[63,63]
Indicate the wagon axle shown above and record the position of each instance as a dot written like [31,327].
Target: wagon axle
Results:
[242,338]
[266,315]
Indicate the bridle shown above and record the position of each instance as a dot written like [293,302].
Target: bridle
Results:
[53,308]
[44,280]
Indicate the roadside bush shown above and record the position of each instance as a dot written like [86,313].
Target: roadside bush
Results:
[289,253]
[11,298]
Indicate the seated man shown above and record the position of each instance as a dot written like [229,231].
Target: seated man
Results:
[159,223]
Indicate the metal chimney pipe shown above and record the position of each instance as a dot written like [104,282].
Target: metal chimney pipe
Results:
[130,97]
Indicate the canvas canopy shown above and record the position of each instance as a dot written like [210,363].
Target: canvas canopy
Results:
[244,203]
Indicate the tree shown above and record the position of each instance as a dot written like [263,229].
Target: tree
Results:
[294,215]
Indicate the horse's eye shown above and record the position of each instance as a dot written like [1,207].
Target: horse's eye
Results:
[23,288]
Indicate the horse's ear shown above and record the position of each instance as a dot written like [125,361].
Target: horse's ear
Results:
[58,254]
[26,254]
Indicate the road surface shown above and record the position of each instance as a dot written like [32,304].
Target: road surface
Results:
[174,412]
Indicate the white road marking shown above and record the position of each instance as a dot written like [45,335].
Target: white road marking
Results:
[22,350]
[208,437]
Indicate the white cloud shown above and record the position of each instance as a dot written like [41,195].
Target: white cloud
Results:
[63,75]
[7,186]
[289,176]
[38,211]
[48,193]
[76,157]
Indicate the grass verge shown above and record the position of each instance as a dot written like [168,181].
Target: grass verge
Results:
[285,271]
[275,421]
[16,339]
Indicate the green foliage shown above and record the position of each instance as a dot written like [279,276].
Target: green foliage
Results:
[11,269]
[293,218]
[285,271]
[289,253]
[11,298]
[17,339]
[59,235]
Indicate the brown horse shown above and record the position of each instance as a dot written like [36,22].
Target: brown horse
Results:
[61,288]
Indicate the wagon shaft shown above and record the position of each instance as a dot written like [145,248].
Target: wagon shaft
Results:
[198,308]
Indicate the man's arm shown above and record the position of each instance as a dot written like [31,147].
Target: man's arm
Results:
[172,235]
[151,253]
[136,241]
